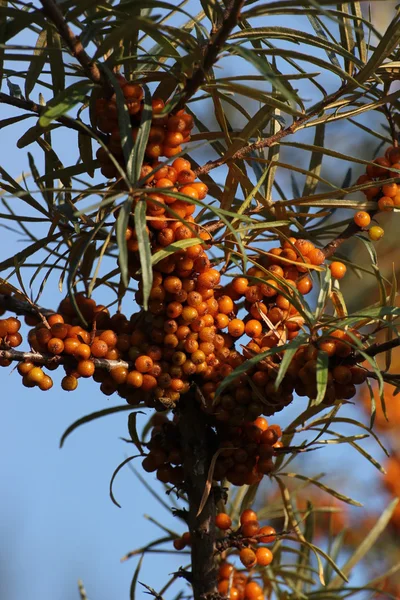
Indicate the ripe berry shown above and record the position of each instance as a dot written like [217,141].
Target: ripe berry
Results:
[250,528]
[46,383]
[248,515]
[268,534]
[69,383]
[248,558]
[264,556]
[385,203]
[362,219]
[338,269]
[376,233]
[35,375]
[223,521]
[85,368]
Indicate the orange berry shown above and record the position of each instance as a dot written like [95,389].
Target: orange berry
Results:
[362,219]
[264,557]
[134,379]
[144,364]
[248,515]
[385,203]
[248,558]
[179,544]
[53,319]
[201,189]
[46,383]
[181,164]
[225,570]
[99,348]
[376,233]
[316,256]
[24,367]
[55,346]
[250,528]
[223,521]
[338,269]
[35,375]
[69,383]
[236,328]
[82,352]
[304,285]
[85,368]
[253,328]
[268,534]
[253,591]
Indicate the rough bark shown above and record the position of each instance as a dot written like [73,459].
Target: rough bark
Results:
[197,443]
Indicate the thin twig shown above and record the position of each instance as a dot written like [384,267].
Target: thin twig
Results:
[54,14]
[38,109]
[273,139]
[212,51]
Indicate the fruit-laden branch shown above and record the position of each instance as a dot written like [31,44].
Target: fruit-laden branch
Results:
[38,109]
[197,442]
[51,359]
[212,51]
[54,14]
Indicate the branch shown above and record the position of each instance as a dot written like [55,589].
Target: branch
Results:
[380,347]
[54,14]
[38,109]
[22,307]
[229,21]
[331,248]
[197,447]
[59,359]
[273,139]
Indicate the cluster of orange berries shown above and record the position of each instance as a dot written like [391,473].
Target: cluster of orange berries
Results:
[167,133]
[237,585]
[387,195]
[246,453]
[246,539]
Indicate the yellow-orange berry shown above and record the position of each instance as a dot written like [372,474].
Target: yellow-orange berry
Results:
[248,558]
[362,218]
[338,269]
[223,521]
[264,557]
[85,368]
[376,233]
[69,383]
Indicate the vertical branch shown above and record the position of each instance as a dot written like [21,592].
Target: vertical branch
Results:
[197,445]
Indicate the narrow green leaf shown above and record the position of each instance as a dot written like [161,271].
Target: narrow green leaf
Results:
[86,152]
[117,470]
[120,230]
[132,417]
[288,354]
[367,543]
[321,376]
[132,591]
[36,66]
[144,250]
[88,418]
[136,157]
[56,60]
[173,248]
[64,101]
[323,487]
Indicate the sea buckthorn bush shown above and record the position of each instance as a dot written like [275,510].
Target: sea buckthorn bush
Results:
[201,288]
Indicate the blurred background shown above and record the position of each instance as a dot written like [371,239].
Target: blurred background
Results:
[57,522]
